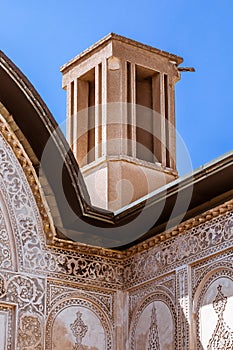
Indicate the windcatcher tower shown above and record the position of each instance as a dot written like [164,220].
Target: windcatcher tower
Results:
[121,118]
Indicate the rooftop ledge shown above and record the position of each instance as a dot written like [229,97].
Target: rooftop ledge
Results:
[197,175]
[112,36]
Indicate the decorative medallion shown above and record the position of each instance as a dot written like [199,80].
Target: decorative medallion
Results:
[79,330]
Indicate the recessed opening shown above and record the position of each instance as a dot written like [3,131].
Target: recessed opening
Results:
[86,101]
[129,111]
[166,102]
[144,116]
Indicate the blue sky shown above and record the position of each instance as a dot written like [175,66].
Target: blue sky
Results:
[40,36]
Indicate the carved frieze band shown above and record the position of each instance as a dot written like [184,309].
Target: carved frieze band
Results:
[195,244]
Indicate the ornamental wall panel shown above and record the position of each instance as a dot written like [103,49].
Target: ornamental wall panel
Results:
[78,323]
[154,324]
[213,303]
[161,293]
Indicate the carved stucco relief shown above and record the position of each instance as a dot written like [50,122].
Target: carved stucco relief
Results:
[25,220]
[213,304]
[24,296]
[6,244]
[195,244]
[78,323]
[30,332]
[89,279]
[22,210]
[201,270]
[153,324]
[166,284]
[222,336]
[183,305]
[58,290]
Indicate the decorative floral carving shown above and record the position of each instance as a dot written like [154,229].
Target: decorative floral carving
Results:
[153,337]
[26,292]
[194,244]
[201,269]
[147,270]
[21,205]
[157,286]
[79,330]
[220,302]
[5,255]
[183,309]
[30,333]
[58,291]
[157,296]
[94,269]
[222,338]
[2,286]
[69,301]
[218,272]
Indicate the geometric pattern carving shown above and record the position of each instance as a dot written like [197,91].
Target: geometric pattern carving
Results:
[57,291]
[222,338]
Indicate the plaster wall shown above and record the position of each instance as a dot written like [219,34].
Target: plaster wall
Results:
[115,183]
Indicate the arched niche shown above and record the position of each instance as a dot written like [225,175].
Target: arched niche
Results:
[153,324]
[80,322]
[212,310]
